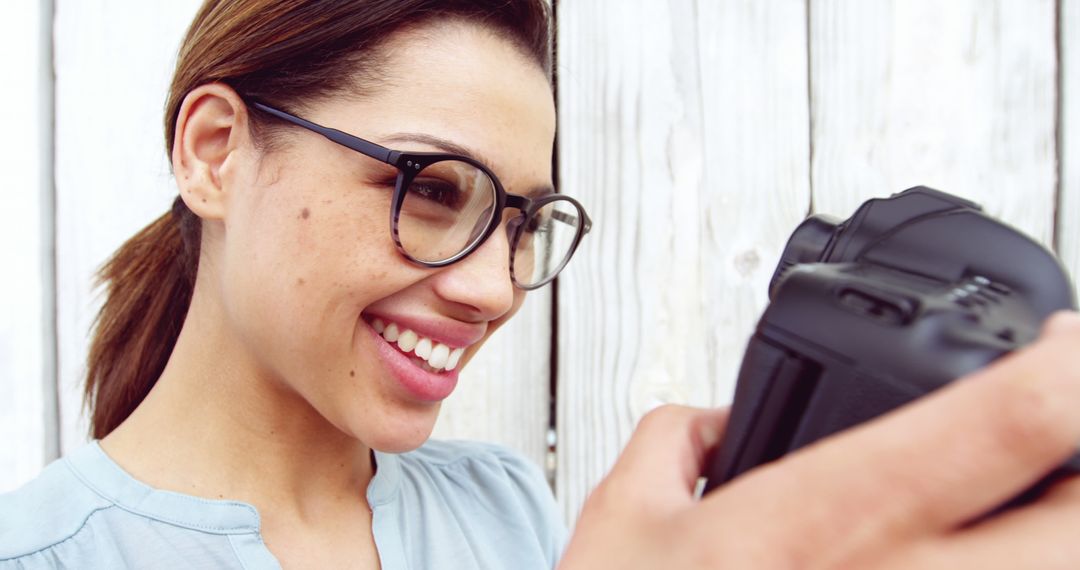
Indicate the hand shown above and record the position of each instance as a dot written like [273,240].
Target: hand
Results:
[895,492]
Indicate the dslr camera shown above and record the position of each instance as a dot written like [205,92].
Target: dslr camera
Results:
[869,313]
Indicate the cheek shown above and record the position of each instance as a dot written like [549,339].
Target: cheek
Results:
[302,261]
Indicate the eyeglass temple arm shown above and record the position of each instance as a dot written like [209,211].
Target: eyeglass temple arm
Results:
[378,152]
[571,219]
[565,218]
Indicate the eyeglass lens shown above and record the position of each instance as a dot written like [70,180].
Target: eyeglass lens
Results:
[545,242]
[446,209]
[449,205]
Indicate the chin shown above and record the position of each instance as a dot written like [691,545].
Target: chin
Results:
[403,431]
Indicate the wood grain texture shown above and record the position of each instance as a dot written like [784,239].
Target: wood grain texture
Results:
[27,398]
[1068,231]
[955,95]
[114,62]
[684,131]
[503,395]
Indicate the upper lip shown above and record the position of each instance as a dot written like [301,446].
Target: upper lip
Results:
[454,334]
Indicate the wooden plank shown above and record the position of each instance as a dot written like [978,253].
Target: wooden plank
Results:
[955,95]
[114,61]
[27,396]
[503,395]
[684,130]
[1068,233]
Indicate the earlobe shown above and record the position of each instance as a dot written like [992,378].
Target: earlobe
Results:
[210,127]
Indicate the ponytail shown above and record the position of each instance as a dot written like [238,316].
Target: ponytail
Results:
[148,283]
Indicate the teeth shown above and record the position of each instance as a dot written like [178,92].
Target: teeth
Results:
[455,356]
[423,350]
[438,355]
[407,341]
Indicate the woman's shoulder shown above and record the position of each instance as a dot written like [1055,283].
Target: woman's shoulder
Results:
[444,452]
[51,508]
[466,489]
[478,465]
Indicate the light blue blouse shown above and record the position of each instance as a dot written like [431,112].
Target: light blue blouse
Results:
[446,505]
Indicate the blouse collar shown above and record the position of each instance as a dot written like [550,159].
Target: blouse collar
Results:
[99,472]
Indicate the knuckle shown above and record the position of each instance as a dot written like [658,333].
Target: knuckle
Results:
[1062,323]
[661,418]
[1024,421]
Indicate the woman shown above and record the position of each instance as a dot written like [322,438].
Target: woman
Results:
[259,341]
[272,353]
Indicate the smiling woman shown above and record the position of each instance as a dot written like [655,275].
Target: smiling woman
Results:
[272,353]
[365,195]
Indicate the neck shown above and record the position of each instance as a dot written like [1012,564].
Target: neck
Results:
[218,425]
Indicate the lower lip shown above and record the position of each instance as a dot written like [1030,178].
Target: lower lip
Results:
[419,383]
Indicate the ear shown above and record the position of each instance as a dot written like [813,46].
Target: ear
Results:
[211,127]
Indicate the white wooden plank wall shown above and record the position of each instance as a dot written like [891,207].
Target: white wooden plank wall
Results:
[113,62]
[1068,234]
[697,132]
[27,400]
[685,132]
[956,95]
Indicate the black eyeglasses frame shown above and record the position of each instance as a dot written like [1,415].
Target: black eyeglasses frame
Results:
[409,164]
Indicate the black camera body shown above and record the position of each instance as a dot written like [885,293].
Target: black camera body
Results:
[870,313]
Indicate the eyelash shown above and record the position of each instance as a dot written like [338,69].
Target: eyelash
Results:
[446,194]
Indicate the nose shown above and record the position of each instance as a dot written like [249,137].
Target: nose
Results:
[481,282]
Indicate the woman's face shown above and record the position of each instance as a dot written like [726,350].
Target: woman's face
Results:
[305,261]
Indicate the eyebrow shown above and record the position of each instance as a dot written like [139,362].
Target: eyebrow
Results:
[455,148]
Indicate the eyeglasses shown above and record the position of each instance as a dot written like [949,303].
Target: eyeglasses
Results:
[445,206]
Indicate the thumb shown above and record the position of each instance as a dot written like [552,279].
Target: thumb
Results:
[667,452]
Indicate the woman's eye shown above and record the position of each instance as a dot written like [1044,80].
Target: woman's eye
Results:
[437,191]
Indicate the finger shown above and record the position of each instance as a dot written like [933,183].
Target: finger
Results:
[931,465]
[1042,535]
[1062,323]
[666,454]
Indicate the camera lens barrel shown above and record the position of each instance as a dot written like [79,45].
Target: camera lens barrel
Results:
[809,243]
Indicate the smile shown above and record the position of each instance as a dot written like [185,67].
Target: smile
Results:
[436,356]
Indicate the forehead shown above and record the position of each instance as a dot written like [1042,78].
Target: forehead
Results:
[465,84]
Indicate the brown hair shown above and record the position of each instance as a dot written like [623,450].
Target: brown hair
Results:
[285,53]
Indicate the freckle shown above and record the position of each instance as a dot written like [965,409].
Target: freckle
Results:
[204,200]
[327,201]
[305,213]
[352,373]
[300,281]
